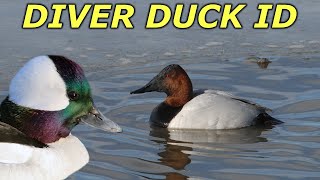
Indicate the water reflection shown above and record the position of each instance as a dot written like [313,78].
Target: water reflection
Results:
[172,155]
[175,176]
[179,145]
[234,136]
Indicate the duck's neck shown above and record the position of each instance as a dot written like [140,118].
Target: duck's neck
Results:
[180,93]
[40,125]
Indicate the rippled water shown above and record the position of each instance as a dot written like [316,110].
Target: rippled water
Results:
[118,61]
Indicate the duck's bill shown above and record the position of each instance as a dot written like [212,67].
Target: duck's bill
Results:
[141,90]
[153,85]
[97,120]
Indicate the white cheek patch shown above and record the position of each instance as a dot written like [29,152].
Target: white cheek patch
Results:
[38,85]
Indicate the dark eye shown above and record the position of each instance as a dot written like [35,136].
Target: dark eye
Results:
[73,95]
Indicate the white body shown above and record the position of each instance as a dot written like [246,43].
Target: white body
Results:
[58,161]
[216,110]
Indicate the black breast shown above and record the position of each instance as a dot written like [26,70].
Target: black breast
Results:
[10,134]
[163,114]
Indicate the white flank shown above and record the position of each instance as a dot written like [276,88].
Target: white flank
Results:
[215,110]
[58,161]
[38,85]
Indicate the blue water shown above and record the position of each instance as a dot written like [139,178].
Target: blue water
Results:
[118,61]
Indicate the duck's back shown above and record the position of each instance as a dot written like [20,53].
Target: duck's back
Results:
[211,109]
[57,161]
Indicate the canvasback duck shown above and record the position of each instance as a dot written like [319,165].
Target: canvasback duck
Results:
[47,98]
[202,109]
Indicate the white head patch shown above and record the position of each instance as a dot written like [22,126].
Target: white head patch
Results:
[38,85]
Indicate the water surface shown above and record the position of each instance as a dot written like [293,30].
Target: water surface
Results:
[118,61]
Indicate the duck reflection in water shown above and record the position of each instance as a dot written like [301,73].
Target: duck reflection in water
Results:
[173,155]
[179,144]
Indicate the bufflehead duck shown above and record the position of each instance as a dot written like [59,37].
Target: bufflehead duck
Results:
[202,109]
[47,98]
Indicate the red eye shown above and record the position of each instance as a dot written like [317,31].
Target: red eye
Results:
[73,95]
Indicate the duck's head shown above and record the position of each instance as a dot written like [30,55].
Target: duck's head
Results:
[48,97]
[174,81]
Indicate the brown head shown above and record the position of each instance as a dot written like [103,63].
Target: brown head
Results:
[174,81]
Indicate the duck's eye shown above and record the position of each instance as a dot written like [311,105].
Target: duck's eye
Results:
[73,95]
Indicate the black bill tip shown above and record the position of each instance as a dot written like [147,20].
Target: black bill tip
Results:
[138,91]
